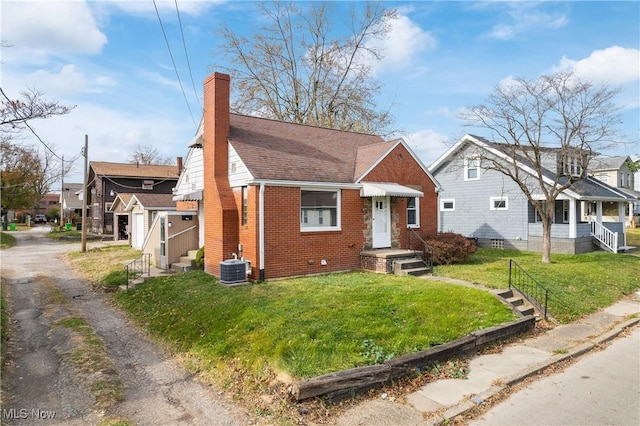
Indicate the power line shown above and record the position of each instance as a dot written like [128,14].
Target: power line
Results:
[186,54]
[24,121]
[174,63]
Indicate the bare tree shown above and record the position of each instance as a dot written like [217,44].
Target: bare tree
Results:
[15,114]
[296,68]
[554,123]
[148,154]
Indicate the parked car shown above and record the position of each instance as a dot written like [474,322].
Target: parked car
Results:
[40,218]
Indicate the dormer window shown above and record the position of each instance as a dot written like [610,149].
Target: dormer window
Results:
[570,165]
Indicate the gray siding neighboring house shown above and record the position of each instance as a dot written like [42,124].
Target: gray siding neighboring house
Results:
[615,172]
[489,206]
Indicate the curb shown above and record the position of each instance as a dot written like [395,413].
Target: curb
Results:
[467,405]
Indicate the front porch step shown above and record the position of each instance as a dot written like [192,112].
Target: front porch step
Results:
[186,263]
[415,267]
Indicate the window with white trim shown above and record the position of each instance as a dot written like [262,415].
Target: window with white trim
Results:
[319,210]
[499,203]
[245,205]
[413,212]
[448,204]
[472,168]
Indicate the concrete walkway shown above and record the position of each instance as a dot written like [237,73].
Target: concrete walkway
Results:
[441,401]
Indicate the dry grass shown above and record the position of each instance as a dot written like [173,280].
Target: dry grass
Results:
[97,264]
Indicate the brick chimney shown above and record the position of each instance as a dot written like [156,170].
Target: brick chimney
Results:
[221,233]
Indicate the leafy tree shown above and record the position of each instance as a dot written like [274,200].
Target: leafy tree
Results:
[20,169]
[148,154]
[556,115]
[300,67]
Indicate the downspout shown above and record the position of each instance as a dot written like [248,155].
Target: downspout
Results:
[438,211]
[261,230]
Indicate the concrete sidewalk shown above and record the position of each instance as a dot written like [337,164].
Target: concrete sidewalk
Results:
[438,402]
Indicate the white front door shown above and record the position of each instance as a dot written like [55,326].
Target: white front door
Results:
[381,222]
[138,231]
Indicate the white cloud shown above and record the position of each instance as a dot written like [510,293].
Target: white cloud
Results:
[36,30]
[613,65]
[67,82]
[524,16]
[147,8]
[404,42]
[428,144]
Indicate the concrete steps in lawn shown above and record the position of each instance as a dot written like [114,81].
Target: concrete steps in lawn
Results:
[415,267]
[518,302]
[186,263]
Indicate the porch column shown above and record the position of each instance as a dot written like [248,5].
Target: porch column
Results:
[599,211]
[622,214]
[573,223]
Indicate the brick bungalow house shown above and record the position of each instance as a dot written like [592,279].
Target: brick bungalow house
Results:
[299,200]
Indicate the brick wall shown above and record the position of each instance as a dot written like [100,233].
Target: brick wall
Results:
[290,252]
[400,167]
[220,213]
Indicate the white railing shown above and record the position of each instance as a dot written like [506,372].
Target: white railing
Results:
[607,237]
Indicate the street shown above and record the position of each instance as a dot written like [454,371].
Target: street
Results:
[601,388]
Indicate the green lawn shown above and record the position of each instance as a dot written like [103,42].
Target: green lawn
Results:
[309,326]
[578,284]
[7,240]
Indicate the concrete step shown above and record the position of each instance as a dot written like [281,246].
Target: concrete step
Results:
[515,300]
[526,310]
[415,267]
[188,260]
[182,266]
[416,272]
[504,293]
[192,254]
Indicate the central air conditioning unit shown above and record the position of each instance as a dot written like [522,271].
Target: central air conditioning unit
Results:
[233,271]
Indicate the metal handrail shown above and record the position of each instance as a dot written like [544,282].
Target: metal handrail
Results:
[182,232]
[426,251]
[139,267]
[531,289]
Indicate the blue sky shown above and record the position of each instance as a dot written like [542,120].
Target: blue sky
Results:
[110,59]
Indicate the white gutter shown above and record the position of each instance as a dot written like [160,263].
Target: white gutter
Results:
[261,230]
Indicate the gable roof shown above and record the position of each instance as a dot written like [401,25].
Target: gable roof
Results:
[104,168]
[277,150]
[122,198]
[69,196]
[152,201]
[608,163]
[585,189]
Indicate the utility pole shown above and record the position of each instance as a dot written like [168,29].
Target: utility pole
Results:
[85,153]
[62,196]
